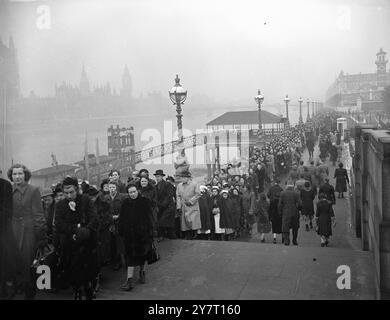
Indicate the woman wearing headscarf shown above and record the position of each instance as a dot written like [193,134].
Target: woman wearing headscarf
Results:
[28,222]
[205,207]
[262,213]
[217,231]
[136,227]
[148,191]
[325,218]
[227,221]
[341,176]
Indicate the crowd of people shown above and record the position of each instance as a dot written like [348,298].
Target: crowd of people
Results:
[119,224]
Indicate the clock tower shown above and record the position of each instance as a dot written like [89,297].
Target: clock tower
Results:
[381,68]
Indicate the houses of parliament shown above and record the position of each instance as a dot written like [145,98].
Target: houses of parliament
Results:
[69,102]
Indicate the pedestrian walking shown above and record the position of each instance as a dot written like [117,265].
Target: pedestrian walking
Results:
[325,218]
[248,207]
[289,204]
[262,214]
[148,190]
[136,227]
[76,224]
[341,176]
[115,200]
[328,190]
[166,194]
[308,194]
[275,217]
[29,225]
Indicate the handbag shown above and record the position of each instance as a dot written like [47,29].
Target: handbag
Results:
[153,255]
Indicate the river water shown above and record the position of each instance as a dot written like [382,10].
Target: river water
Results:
[32,143]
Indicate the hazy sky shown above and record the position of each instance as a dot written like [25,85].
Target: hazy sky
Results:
[223,49]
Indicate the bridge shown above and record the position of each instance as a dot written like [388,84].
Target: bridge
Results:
[212,141]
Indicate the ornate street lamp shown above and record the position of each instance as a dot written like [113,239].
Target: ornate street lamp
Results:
[308,110]
[287,100]
[259,100]
[300,110]
[178,95]
[312,108]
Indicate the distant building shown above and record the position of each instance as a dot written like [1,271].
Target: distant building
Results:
[46,177]
[120,142]
[248,120]
[360,91]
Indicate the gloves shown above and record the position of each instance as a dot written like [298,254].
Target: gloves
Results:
[82,234]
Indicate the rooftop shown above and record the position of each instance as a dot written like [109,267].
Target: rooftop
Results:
[55,170]
[244,118]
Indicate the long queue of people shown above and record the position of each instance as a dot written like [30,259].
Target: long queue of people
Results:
[120,224]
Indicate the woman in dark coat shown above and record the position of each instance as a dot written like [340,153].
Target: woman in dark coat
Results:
[262,213]
[237,211]
[333,154]
[308,195]
[28,223]
[248,207]
[104,221]
[205,207]
[115,200]
[341,176]
[227,219]
[325,217]
[148,191]
[276,219]
[9,260]
[136,228]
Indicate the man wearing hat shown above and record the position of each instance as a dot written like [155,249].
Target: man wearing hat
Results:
[166,206]
[76,224]
[289,204]
[187,196]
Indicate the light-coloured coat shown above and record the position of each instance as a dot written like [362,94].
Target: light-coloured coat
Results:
[187,197]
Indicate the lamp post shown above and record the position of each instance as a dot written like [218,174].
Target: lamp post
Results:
[312,108]
[287,100]
[259,100]
[300,110]
[308,110]
[178,95]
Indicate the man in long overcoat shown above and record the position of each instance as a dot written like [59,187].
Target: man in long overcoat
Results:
[289,204]
[187,197]
[166,206]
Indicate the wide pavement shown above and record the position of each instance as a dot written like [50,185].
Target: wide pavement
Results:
[249,269]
